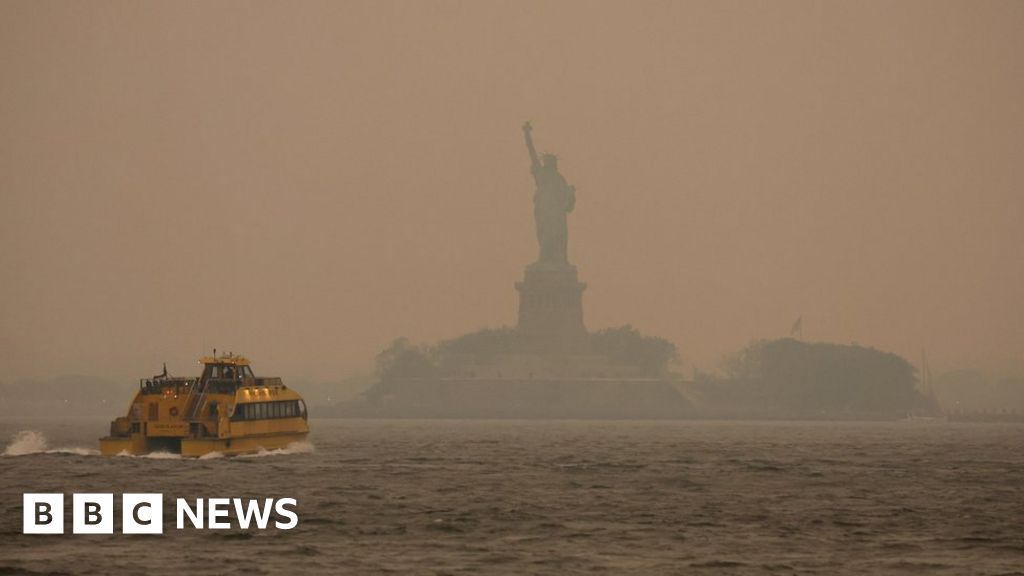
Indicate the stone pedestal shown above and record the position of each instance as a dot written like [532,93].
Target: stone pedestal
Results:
[551,309]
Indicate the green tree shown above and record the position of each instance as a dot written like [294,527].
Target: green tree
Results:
[827,377]
[402,359]
[626,345]
[484,344]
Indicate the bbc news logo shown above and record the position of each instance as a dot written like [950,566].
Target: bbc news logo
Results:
[144,513]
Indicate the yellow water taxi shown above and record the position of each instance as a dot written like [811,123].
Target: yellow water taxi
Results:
[226,410]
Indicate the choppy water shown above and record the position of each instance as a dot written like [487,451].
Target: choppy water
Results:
[483,497]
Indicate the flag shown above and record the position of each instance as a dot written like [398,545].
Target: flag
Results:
[798,326]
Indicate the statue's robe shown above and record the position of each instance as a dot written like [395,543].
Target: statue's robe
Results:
[552,201]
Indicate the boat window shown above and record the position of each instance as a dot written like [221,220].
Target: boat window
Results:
[269,410]
[212,371]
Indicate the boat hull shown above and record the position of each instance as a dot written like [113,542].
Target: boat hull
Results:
[114,446]
[139,445]
[243,445]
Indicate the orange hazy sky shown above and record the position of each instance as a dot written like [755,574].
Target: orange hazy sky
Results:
[303,182]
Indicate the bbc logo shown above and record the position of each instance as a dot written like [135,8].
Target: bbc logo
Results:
[93,514]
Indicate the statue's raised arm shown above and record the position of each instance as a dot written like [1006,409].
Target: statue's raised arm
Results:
[527,132]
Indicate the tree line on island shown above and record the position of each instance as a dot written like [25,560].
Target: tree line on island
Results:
[782,378]
[651,356]
[796,379]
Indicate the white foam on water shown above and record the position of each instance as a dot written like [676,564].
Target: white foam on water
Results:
[151,455]
[34,442]
[26,442]
[75,450]
[161,456]
[303,447]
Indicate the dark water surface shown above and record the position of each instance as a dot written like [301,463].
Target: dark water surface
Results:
[498,497]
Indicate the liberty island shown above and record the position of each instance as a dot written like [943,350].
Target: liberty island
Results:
[547,366]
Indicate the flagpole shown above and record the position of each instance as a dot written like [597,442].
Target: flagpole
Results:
[798,328]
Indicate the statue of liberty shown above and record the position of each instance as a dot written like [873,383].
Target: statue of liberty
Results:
[552,201]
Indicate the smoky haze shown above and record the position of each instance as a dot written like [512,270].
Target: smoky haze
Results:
[305,183]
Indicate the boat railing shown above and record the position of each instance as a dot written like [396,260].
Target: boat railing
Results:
[223,385]
[160,385]
[213,386]
[194,409]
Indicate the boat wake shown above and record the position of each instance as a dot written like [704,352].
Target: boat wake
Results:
[29,442]
[152,455]
[33,442]
[304,447]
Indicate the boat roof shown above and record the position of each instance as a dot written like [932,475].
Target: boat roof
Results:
[228,358]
